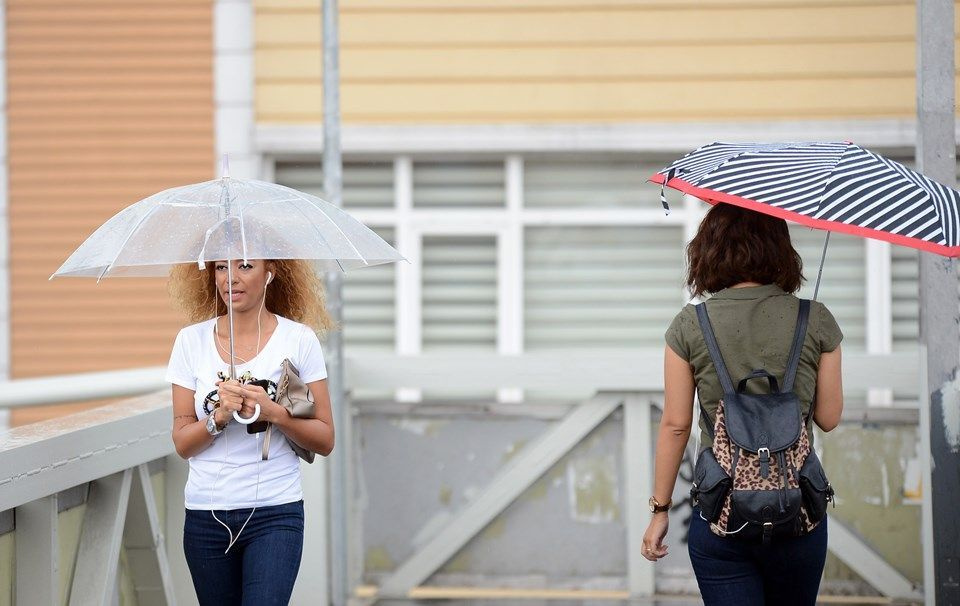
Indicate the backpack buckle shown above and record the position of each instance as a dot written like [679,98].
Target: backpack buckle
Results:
[764,454]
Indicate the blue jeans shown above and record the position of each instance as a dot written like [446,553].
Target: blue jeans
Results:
[732,572]
[262,565]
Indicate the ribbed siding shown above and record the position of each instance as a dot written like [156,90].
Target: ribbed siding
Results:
[467,61]
[108,102]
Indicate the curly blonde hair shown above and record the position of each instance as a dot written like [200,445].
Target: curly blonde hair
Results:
[296,293]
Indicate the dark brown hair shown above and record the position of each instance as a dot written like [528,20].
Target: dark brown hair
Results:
[736,245]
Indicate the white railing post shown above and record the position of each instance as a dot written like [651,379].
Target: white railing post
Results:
[98,557]
[38,550]
[638,476]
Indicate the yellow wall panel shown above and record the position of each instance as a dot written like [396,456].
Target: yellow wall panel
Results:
[519,5]
[586,63]
[353,6]
[452,61]
[602,101]
[557,27]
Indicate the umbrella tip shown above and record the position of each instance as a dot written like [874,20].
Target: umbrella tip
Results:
[225,166]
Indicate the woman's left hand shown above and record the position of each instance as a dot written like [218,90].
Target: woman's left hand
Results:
[269,410]
[653,547]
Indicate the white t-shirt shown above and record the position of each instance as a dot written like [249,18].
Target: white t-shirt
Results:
[225,474]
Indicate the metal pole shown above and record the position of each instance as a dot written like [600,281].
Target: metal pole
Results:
[940,300]
[333,191]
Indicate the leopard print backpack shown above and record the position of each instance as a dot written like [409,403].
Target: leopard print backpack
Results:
[761,479]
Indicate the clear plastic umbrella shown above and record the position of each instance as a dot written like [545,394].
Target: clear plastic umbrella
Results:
[225,219]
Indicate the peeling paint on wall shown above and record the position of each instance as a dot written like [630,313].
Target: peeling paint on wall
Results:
[495,529]
[378,559]
[421,427]
[865,466]
[445,495]
[459,563]
[513,449]
[593,489]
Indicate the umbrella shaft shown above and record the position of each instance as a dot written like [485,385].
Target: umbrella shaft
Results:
[823,257]
[233,368]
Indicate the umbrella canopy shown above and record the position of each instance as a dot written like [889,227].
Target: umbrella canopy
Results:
[225,219]
[833,186]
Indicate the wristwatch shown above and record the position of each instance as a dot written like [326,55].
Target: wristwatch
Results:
[656,507]
[212,428]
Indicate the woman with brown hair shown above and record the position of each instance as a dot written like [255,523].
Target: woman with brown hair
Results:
[243,532]
[746,261]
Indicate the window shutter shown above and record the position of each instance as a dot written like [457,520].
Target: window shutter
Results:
[459,293]
[594,182]
[458,184]
[365,184]
[843,286]
[368,293]
[905,272]
[601,287]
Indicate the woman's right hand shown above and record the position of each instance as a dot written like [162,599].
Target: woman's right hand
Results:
[231,401]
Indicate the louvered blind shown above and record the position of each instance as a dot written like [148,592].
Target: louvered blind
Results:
[601,287]
[905,271]
[367,184]
[368,293]
[458,184]
[843,286]
[588,181]
[459,293]
[368,305]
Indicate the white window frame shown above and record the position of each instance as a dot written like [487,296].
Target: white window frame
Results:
[508,223]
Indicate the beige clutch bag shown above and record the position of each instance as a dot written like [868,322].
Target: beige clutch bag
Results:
[294,395]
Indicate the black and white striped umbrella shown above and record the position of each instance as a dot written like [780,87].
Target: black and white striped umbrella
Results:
[833,186]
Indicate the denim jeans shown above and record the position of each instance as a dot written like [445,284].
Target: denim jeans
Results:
[733,572]
[262,565]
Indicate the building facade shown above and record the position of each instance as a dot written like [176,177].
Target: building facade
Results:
[503,147]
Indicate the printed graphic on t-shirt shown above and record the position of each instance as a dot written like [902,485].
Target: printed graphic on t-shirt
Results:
[213,399]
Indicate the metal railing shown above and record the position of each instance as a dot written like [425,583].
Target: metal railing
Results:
[109,448]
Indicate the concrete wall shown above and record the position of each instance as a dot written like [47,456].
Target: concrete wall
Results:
[567,530]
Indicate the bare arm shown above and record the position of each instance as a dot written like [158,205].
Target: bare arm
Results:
[316,434]
[189,434]
[671,443]
[829,399]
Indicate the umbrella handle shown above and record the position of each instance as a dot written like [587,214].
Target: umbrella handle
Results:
[249,420]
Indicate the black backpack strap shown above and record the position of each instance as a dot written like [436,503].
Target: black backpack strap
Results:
[798,336]
[711,341]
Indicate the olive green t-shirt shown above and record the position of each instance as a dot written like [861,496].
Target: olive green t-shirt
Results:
[754,326]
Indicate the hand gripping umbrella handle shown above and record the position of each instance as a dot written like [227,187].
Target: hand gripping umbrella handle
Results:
[252,418]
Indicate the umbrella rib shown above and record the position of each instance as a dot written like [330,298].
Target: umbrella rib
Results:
[243,229]
[125,240]
[323,212]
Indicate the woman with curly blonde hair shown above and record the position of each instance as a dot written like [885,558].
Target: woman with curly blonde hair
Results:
[243,532]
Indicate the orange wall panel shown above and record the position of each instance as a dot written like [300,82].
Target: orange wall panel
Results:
[107,103]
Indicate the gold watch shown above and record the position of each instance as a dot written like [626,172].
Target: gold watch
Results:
[656,507]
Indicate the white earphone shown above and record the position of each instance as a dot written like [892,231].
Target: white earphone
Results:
[269,277]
